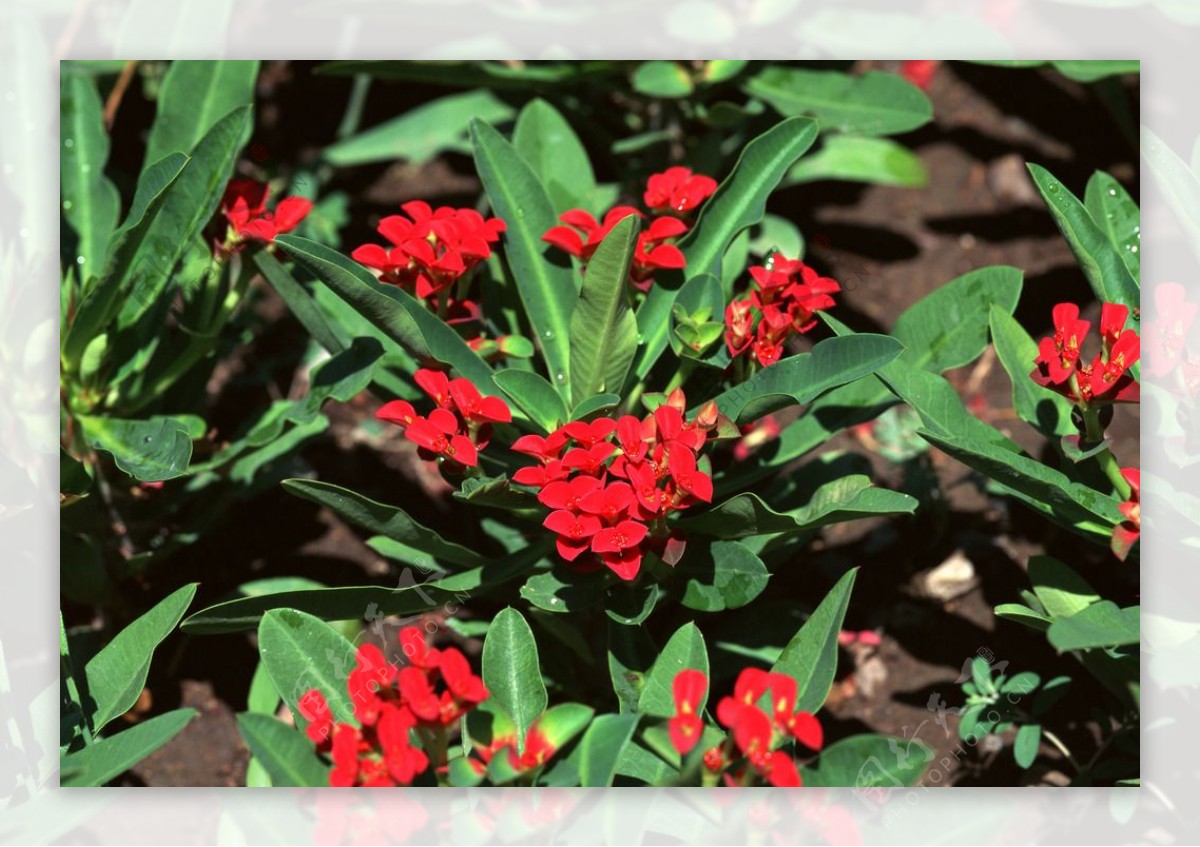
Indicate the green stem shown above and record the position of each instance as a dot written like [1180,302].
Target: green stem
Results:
[1094,433]
[354,106]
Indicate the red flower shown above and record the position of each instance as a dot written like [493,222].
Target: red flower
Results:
[677,190]
[803,726]
[417,650]
[686,727]
[1126,533]
[430,250]
[919,72]
[1058,355]
[1166,335]
[372,674]
[314,709]
[574,532]
[688,477]
[458,428]
[653,254]
[564,494]
[785,298]
[244,206]
[1105,379]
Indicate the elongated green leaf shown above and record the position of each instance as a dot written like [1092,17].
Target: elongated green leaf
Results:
[385,520]
[852,158]
[1062,591]
[151,450]
[534,394]
[845,499]
[631,654]
[110,757]
[194,96]
[1101,624]
[863,762]
[188,205]
[811,656]
[395,312]
[801,379]
[875,103]
[301,303]
[103,300]
[685,649]
[90,201]
[511,671]
[288,757]
[596,756]
[603,329]
[1046,410]
[1090,70]
[421,133]
[302,653]
[547,289]
[1023,615]
[1097,257]
[409,597]
[546,141]
[727,576]
[662,79]
[948,327]
[117,674]
[1118,217]
[739,202]
[1028,740]
[458,73]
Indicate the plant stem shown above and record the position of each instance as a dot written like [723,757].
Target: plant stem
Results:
[1094,433]
[1062,748]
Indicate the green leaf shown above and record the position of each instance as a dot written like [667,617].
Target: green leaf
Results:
[302,653]
[801,379]
[1101,624]
[90,201]
[395,312]
[630,604]
[631,654]
[547,289]
[559,724]
[685,649]
[102,301]
[596,756]
[863,762]
[1025,748]
[1090,70]
[299,301]
[872,104]
[151,450]
[110,757]
[386,520]
[811,656]
[739,202]
[1045,410]
[593,406]
[725,575]
[604,334]
[421,133]
[552,149]
[534,394]
[511,671]
[1097,257]
[1118,216]
[852,158]
[117,674]
[288,757]
[845,499]
[352,602]
[1023,615]
[193,97]
[187,207]
[662,79]
[948,328]
[698,293]
[1062,591]
[73,476]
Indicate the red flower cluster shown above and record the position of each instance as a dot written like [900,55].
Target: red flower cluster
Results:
[390,702]
[754,734]
[1126,533]
[609,483]
[430,250]
[1060,366]
[457,429]
[676,190]
[785,298]
[244,206]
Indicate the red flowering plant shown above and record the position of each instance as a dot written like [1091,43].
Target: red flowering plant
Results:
[646,481]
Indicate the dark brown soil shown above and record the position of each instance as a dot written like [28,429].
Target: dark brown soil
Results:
[889,247]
